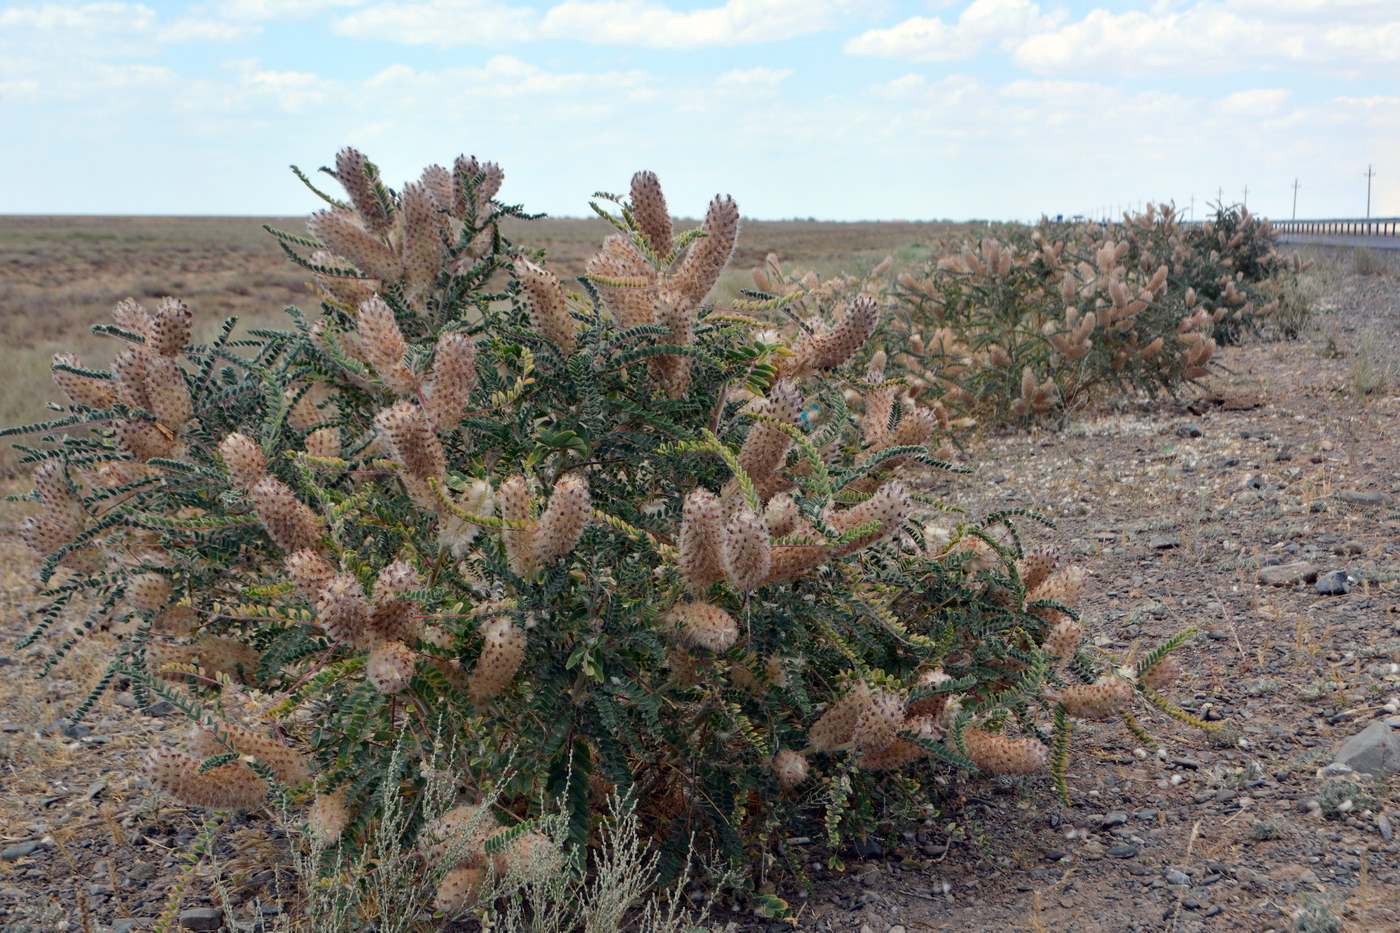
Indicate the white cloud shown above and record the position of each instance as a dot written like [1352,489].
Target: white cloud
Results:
[278,9]
[652,24]
[1261,102]
[1211,38]
[930,39]
[440,22]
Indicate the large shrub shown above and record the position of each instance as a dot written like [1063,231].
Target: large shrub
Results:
[601,540]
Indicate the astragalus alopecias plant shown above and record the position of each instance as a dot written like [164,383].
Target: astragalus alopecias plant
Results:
[603,539]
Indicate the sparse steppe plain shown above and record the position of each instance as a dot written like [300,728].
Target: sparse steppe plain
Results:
[1172,512]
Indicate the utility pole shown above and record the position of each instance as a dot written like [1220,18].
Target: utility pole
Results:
[1295,199]
[1246,196]
[1369,175]
[1191,213]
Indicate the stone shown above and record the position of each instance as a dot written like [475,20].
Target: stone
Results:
[1374,750]
[1112,819]
[1386,828]
[202,918]
[141,871]
[1333,583]
[867,848]
[1364,498]
[1188,430]
[21,850]
[1124,851]
[160,708]
[1176,876]
[1288,574]
[1162,542]
[132,924]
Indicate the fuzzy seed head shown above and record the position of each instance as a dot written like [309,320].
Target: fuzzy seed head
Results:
[459,833]
[1037,565]
[232,786]
[324,443]
[167,392]
[129,374]
[328,817]
[1162,674]
[633,295]
[456,533]
[81,390]
[170,327]
[501,654]
[1063,641]
[702,625]
[131,316]
[902,751]
[530,857]
[837,725]
[879,723]
[781,515]
[701,540]
[410,437]
[343,610]
[288,522]
[1100,700]
[395,581]
[558,530]
[767,445]
[707,256]
[650,212]
[389,667]
[309,571]
[243,459]
[358,175]
[997,754]
[454,377]
[344,234]
[516,507]
[789,768]
[545,303]
[458,890]
[144,440]
[46,532]
[745,551]
[149,591]
[423,249]
[383,344]
[888,507]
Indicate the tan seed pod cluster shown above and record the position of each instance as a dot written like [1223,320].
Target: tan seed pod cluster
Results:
[998,754]
[411,440]
[170,327]
[1103,699]
[698,554]
[1162,674]
[129,315]
[458,890]
[561,525]
[901,752]
[149,591]
[423,249]
[702,625]
[80,389]
[290,524]
[324,443]
[395,581]
[707,256]
[395,620]
[745,550]
[516,506]
[1064,586]
[651,214]
[216,656]
[766,445]
[548,309]
[359,177]
[244,459]
[1063,641]
[287,763]
[168,395]
[831,348]
[344,234]
[837,725]
[930,706]
[309,571]
[144,440]
[529,857]
[789,768]
[390,667]
[888,508]
[626,281]
[878,724]
[327,818]
[781,515]
[383,344]
[502,652]
[454,377]
[231,786]
[46,532]
[1037,565]
[343,610]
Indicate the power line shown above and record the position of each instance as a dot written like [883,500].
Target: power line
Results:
[1369,175]
[1295,199]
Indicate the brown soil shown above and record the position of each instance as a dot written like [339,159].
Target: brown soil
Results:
[1172,529]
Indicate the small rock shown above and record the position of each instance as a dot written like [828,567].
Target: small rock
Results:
[132,924]
[1056,855]
[21,849]
[127,700]
[202,918]
[1288,574]
[1188,430]
[1374,750]
[1162,542]
[1364,498]
[1387,829]
[867,848]
[1175,876]
[141,871]
[1333,583]
[160,708]
[1124,851]
[1112,819]
[1350,547]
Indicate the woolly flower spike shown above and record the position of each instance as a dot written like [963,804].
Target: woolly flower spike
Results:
[1162,674]
[558,530]
[1102,699]
[170,327]
[81,390]
[243,459]
[289,523]
[396,581]
[423,250]
[878,724]
[528,857]
[46,532]
[1064,639]
[781,515]
[150,591]
[789,768]
[324,443]
[342,609]
[515,507]
[649,210]
[343,234]
[1064,586]
[454,377]
[456,533]
[309,571]
[746,554]
[411,440]
[707,256]
[328,818]
[901,751]
[287,763]
[836,726]
[549,313]
[830,349]
[51,483]
[129,315]
[358,175]
[129,372]
[383,344]
[1037,565]
[767,445]
[499,660]
[465,172]
[702,625]
[143,439]
[167,393]
[390,667]
[698,554]
[888,507]
[460,833]
[232,786]
[930,705]
[997,754]
[458,890]
[632,299]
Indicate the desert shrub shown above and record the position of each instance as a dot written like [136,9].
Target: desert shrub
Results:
[622,543]
[1366,261]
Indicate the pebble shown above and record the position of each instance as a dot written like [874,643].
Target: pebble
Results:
[1112,819]
[1124,851]
[1175,876]
[1188,430]
[21,849]
[1333,583]
[1364,498]
[1162,542]
[1288,574]
[1387,830]
[202,918]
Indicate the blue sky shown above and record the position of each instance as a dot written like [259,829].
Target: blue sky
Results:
[838,109]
